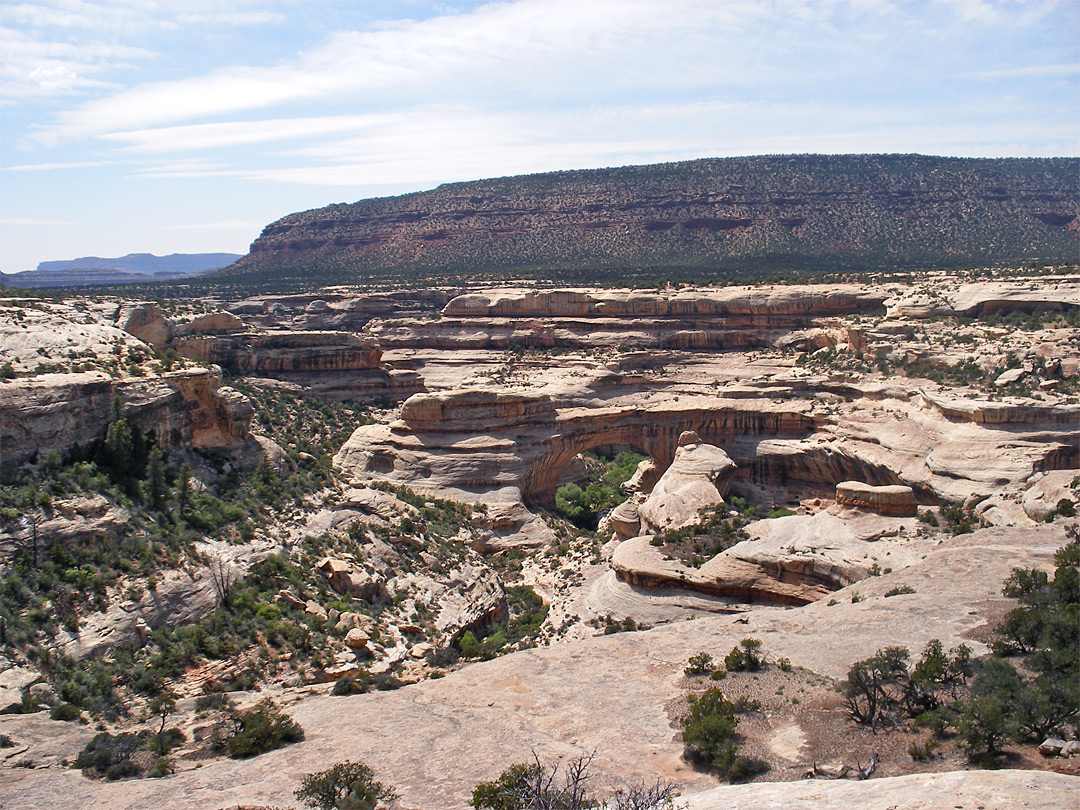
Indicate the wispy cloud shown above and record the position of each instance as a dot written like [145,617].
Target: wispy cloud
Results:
[1023,72]
[537,48]
[195,137]
[56,47]
[33,222]
[225,225]
[45,167]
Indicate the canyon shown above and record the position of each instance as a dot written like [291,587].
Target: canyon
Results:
[854,416]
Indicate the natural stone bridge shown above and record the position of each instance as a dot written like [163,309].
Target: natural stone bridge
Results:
[485,441]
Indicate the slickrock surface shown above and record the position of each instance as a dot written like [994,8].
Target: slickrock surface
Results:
[940,791]
[435,740]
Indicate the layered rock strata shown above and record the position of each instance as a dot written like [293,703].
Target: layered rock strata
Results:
[898,501]
[53,412]
[699,319]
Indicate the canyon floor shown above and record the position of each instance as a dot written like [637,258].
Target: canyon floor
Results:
[880,455]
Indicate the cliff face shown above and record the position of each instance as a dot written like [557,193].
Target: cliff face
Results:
[186,408]
[701,217]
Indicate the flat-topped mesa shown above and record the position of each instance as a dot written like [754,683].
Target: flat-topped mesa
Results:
[472,410]
[895,500]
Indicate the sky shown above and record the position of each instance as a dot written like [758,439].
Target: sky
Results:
[145,126]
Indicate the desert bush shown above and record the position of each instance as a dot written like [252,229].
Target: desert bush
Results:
[65,712]
[110,756]
[346,786]
[699,664]
[260,729]
[536,786]
[745,657]
[709,736]
[899,590]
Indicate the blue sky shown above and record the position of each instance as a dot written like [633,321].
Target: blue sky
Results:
[142,126]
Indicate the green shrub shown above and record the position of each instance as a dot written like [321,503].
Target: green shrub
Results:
[920,752]
[699,664]
[346,786]
[347,686]
[987,720]
[65,712]
[260,729]
[110,757]
[744,657]
[899,590]
[709,737]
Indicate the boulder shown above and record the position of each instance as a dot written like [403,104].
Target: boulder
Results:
[644,478]
[210,323]
[346,578]
[289,599]
[146,322]
[893,500]
[624,518]
[698,477]
[1052,747]
[357,638]
[275,456]
[12,681]
[1046,490]
[1010,376]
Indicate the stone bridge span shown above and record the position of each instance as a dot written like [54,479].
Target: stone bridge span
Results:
[488,441]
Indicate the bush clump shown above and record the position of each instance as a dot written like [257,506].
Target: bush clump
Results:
[260,729]
[346,786]
[710,740]
[745,657]
[699,664]
[534,785]
[111,757]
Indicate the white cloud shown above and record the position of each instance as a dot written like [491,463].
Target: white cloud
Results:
[48,48]
[237,133]
[1028,71]
[536,48]
[42,167]
[225,225]
[557,53]
[32,222]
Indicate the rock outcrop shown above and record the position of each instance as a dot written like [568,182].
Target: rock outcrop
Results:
[695,319]
[350,579]
[698,478]
[896,500]
[146,322]
[1044,496]
[53,412]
